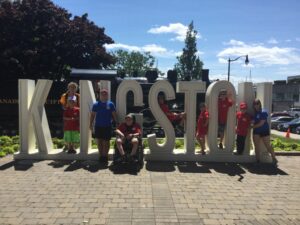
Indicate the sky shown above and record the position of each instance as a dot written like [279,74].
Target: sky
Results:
[268,31]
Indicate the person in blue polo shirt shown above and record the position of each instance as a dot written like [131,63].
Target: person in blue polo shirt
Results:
[103,112]
[261,131]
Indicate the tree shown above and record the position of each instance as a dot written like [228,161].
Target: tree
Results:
[189,65]
[133,63]
[40,40]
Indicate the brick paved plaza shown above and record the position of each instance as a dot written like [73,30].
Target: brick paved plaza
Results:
[61,192]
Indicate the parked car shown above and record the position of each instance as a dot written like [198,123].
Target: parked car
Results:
[292,125]
[276,114]
[280,119]
[295,112]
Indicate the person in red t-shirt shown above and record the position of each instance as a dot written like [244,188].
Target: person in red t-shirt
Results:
[175,118]
[224,102]
[71,124]
[127,135]
[202,127]
[243,125]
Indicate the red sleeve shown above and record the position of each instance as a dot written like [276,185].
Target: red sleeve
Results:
[206,115]
[122,127]
[138,128]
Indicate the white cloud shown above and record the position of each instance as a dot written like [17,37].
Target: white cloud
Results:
[272,41]
[121,46]
[155,50]
[260,55]
[174,28]
[288,40]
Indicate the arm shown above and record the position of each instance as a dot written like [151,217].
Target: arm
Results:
[114,116]
[92,117]
[118,132]
[259,124]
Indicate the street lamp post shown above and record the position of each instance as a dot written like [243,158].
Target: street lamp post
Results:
[231,60]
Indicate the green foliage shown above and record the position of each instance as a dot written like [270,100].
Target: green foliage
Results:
[2,154]
[16,147]
[133,63]
[112,142]
[178,143]
[59,143]
[8,149]
[284,144]
[189,65]
[15,139]
[5,141]
[41,40]
[145,143]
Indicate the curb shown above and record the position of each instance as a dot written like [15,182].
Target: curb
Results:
[286,153]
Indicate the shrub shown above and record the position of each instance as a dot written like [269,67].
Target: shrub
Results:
[178,143]
[5,141]
[59,143]
[2,154]
[15,139]
[15,147]
[8,150]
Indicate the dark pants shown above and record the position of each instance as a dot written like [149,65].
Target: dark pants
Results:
[240,143]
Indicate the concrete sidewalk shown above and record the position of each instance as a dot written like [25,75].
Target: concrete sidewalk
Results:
[282,134]
[64,192]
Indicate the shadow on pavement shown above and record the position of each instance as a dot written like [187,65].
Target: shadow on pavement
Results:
[131,169]
[20,165]
[192,167]
[263,169]
[159,166]
[91,166]
[232,169]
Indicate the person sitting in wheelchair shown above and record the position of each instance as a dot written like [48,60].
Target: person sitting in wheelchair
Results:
[128,135]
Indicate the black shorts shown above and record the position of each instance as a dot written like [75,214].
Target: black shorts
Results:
[263,133]
[103,133]
[221,128]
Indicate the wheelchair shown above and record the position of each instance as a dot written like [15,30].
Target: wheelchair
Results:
[138,158]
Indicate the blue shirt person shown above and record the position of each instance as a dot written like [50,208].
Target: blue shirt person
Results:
[103,112]
[261,131]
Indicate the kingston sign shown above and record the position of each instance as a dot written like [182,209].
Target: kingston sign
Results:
[34,129]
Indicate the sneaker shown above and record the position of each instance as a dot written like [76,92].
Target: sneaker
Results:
[220,146]
[103,159]
[203,153]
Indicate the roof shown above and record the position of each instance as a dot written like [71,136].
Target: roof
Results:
[86,74]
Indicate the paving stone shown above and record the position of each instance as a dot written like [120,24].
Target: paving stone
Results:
[48,194]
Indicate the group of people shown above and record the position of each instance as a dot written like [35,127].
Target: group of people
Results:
[258,122]
[102,115]
[129,132]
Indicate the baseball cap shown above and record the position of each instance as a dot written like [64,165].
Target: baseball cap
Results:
[72,98]
[130,115]
[243,105]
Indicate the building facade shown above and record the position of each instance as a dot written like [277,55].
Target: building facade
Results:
[286,93]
